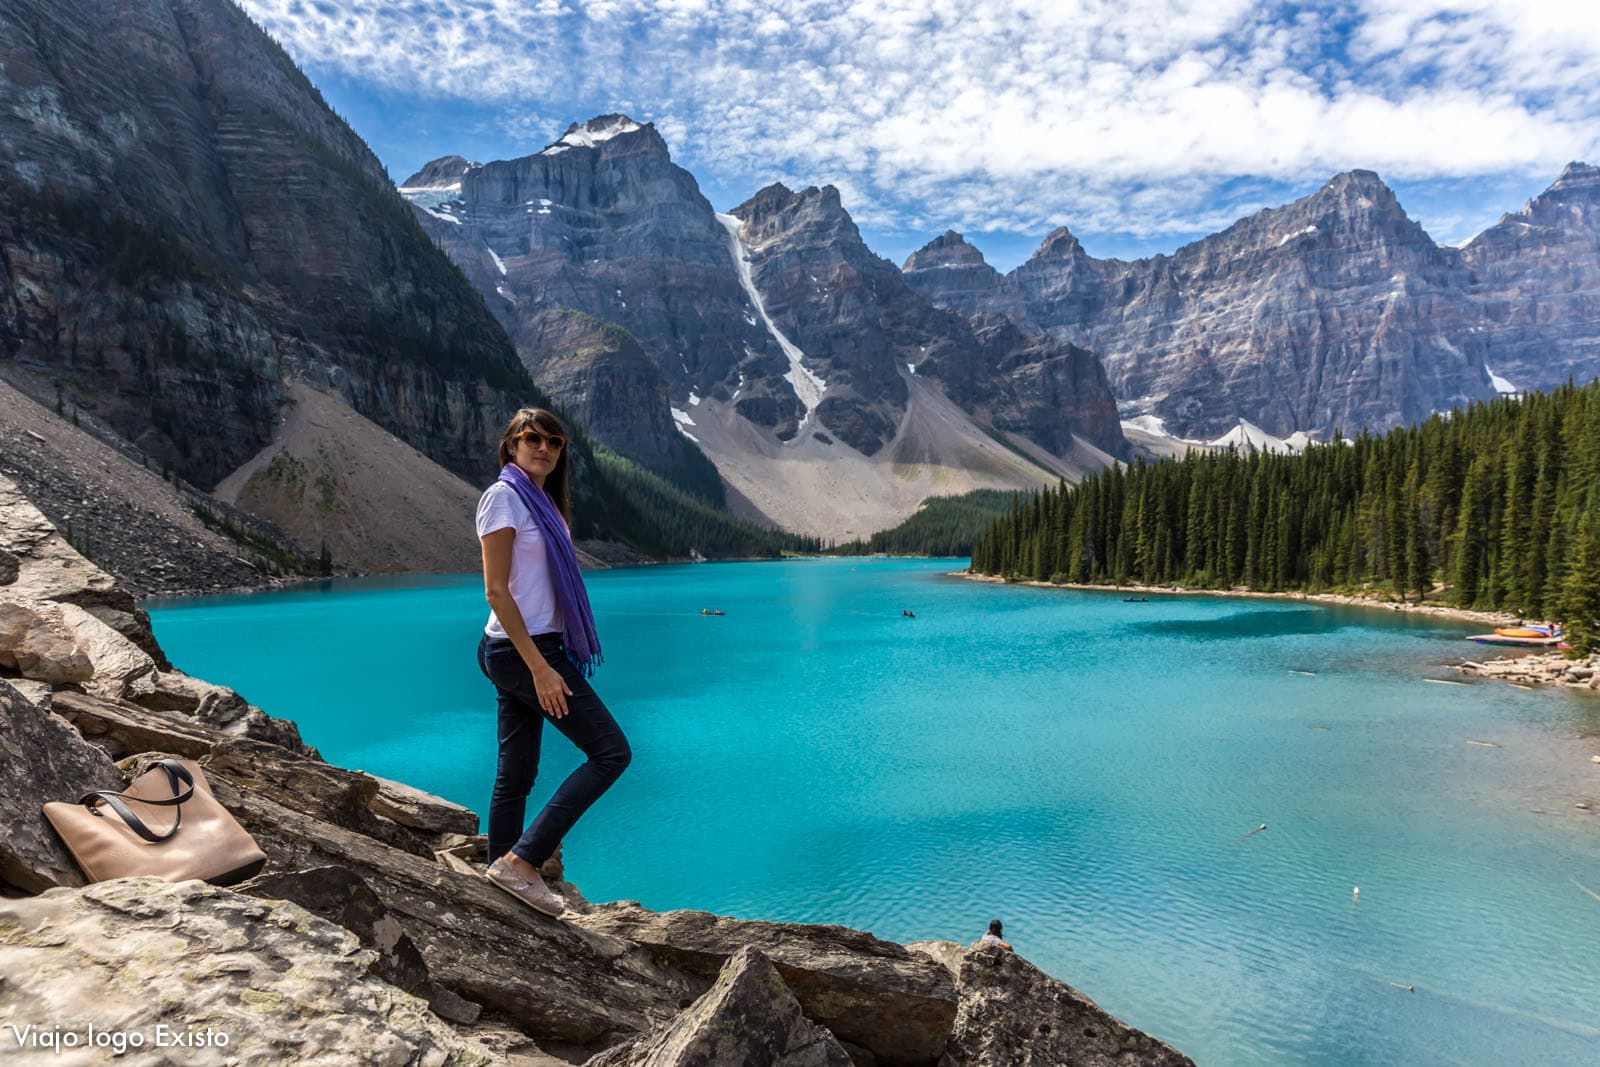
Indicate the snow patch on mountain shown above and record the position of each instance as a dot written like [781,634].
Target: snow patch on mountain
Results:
[1250,437]
[1501,386]
[592,133]
[807,384]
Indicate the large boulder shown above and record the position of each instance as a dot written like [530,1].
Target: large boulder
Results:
[748,1017]
[34,643]
[42,567]
[118,662]
[250,981]
[410,806]
[1014,1013]
[339,895]
[41,759]
[896,1004]
[126,727]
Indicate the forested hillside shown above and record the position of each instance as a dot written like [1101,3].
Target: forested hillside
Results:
[942,526]
[1495,507]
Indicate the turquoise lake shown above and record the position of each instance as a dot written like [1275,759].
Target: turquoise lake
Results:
[1083,768]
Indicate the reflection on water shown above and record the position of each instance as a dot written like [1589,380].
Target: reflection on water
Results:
[1249,624]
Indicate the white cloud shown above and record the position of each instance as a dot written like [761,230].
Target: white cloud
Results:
[1129,116]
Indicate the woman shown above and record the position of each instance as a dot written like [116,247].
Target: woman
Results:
[538,649]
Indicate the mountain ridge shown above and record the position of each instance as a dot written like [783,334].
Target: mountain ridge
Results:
[1334,311]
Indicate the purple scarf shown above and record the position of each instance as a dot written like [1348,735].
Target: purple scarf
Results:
[583,644]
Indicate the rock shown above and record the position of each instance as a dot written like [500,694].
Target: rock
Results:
[1534,279]
[33,641]
[215,706]
[44,759]
[10,567]
[284,252]
[556,982]
[948,953]
[49,570]
[36,692]
[422,811]
[1594,759]
[339,895]
[255,982]
[123,729]
[302,782]
[898,1005]
[748,1017]
[117,661]
[1579,672]
[1014,1013]
[321,790]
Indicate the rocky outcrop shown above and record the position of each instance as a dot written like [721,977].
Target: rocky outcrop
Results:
[605,380]
[1012,1012]
[65,623]
[1335,311]
[241,979]
[956,275]
[151,532]
[1546,668]
[748,1017]
[877,995]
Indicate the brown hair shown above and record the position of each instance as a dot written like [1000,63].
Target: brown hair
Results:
[556,482]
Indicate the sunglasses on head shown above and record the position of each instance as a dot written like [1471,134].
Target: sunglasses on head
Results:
[554,441]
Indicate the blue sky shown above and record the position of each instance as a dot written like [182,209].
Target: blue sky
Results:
[1139,124]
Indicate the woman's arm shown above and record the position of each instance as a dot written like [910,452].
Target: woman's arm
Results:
[547,681]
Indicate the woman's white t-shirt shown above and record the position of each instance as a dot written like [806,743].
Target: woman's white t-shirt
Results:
[499,508]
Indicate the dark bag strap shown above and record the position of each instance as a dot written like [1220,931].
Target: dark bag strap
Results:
[176,772]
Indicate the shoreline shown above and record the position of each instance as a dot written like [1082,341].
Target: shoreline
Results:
[1531,667]
[1488,618]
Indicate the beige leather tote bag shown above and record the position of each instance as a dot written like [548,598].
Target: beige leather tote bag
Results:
[194,836]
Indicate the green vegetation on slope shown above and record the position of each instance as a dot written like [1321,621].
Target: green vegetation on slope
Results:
[1499,504]
[942,526]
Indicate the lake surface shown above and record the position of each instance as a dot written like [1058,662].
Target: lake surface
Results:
[1081,767]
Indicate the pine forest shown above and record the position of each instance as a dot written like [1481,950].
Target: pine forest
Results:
[1493,508]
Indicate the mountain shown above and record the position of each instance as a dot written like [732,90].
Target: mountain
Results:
[1537,285]
[205,267]
[185,227]
[1335,311]
[831,397]
[603,223]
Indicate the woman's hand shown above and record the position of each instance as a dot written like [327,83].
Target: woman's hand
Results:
[552,689]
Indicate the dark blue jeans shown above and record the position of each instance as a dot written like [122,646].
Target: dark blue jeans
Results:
[587,724]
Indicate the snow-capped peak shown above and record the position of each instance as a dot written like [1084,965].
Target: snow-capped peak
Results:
[591,133]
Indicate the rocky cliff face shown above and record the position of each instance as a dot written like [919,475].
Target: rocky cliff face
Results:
[1537,285]
[1335,311]
[185,225]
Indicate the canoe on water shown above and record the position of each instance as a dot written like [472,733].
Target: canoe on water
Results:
[1527,631]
